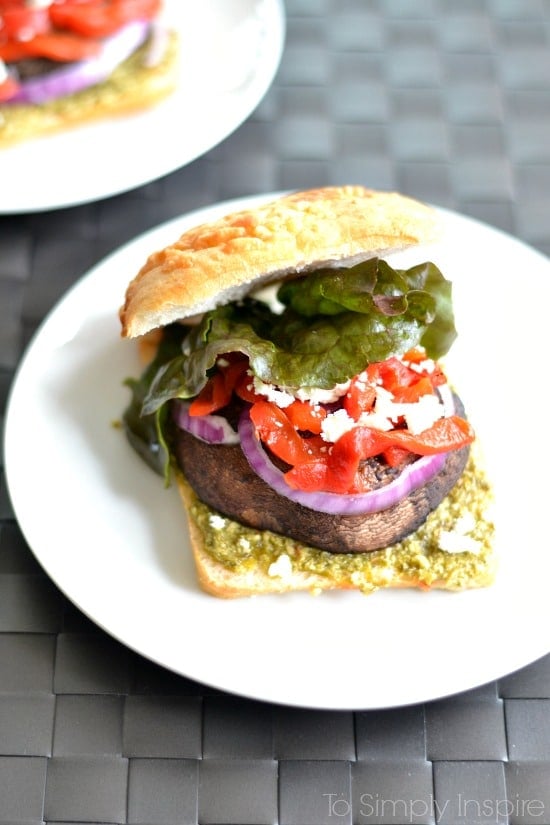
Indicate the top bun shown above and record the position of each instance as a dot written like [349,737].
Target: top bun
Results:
[222,261]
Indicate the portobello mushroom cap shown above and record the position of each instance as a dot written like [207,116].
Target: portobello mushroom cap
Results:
[222,478]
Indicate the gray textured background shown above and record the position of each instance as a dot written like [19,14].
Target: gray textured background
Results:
[449,102]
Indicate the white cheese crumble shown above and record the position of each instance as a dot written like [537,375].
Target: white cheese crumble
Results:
[376,421]
[216,522]
[335,425]
[423,414]
[282,568]
[280,398]
[423,367]
[452,542]
[458,540]
[419,415]
[383,415]
[319,396]
[465,523]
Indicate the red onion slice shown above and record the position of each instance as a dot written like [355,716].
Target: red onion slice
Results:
[158,43]
[353,504]
[214,429]
[74,77]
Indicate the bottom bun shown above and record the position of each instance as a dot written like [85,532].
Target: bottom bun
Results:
[452,550]
[134,85]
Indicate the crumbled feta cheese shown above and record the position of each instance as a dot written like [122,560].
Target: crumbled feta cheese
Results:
[384,401]
[319,396]
[335,425]
[216,522]
[453,542]
[465,524]
[380,418]
[376,421]
[422,367]
[244,543]
[458,539]
[446,396]
[423,414]
[279,397]
[418,415]
[282,568]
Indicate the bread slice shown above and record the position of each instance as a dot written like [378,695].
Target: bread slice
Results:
[222,261]
[452,550]
[134,85]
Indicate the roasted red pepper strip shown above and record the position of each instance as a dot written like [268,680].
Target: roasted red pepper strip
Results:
[276,432]
[305,416]
[12,4]
[394,456]
[392,374]
[445,434]
[415,356]
[412,393]
[244,388]
[23,23]
[337,471]
[59,46]
[219,388]
[359,398]
[68,30]
[212,397]
[8,88]
[100,19]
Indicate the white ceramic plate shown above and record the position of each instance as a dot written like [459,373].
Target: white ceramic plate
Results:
[114,539]
[230,51]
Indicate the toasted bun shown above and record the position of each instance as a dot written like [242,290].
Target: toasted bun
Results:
[417,562]
[134,85]
[224,260]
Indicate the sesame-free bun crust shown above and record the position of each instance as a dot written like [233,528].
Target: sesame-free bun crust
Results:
[221,261]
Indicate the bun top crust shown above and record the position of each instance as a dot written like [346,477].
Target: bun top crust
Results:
[218,262]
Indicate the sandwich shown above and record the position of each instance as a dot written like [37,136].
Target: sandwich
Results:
[68,62]
[294,388]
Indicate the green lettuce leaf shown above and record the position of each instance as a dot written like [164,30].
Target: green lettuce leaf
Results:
[335,322]
[146,433]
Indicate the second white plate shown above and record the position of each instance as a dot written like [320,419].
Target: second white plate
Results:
[230,51]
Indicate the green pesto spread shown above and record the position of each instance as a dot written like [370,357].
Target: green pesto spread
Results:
[132,85]
[417,560]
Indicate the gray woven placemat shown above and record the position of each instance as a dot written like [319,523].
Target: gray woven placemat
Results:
[449,102]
